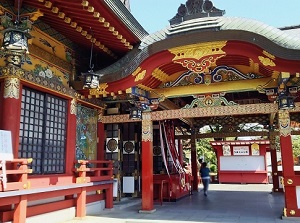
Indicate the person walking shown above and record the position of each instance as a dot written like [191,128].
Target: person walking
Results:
[204,172]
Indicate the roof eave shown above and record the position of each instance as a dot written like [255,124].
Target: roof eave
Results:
[127,18]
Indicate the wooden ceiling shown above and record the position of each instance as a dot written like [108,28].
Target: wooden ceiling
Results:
[85,21]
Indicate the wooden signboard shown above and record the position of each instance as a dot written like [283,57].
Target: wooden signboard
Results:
[6,151]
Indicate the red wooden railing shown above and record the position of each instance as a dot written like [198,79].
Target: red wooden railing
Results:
[78,191]
[16,174]
[101,170]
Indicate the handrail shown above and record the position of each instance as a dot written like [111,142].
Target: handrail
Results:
[101,170]
[18,171]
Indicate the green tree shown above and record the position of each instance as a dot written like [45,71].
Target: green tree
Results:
[205,150]
[296,146]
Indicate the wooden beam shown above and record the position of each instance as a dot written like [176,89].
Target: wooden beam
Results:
[230,134]
[229,86]
[169,105]
[248,109]
[223,135]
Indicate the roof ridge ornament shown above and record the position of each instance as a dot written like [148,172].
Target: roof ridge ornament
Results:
[193,9]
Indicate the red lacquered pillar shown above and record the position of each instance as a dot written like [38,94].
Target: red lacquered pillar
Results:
[194,162]
[81,203]
[290,181]
[71,137]
[273,152]
[275,177]
[20,210]
[147,165]
[11,110]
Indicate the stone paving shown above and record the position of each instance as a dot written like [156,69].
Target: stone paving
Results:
[240,203]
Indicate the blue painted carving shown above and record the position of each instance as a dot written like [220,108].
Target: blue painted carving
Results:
[219,74]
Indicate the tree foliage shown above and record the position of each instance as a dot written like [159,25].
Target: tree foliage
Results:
[296,146]
[205,150]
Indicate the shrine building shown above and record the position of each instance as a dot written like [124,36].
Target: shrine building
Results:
[94,109]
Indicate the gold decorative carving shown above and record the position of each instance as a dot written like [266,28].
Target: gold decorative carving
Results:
[284,212]
[101,90]
[198,50]
[139,74]
[266,61]
[254,66]
[284,122]
[146,88]
[73,109]
[11,88]
[35,15]
[160,75]
[271,56]
[147,131]
[292,212]
[12,71]
[289,181]
[199,57]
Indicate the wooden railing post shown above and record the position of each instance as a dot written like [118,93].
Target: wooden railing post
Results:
[109,197]
[81,203]
[102,171]
[20,210]
[93,174]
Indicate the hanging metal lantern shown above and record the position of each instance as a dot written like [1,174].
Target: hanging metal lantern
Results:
[285,101]
[91,80]
[15,40]
[135,113]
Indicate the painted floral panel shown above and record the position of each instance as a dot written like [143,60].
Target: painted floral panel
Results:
[86,133]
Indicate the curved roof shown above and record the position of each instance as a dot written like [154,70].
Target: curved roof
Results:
[274,40]
[276,35]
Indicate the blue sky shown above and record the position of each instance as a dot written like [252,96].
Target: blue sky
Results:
[154,15]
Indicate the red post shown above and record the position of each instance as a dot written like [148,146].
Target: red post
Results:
[81,203]
[291,208]
[109,197]
[147,165]
[71,137]
[275,177]
[20,210]
[11,110]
